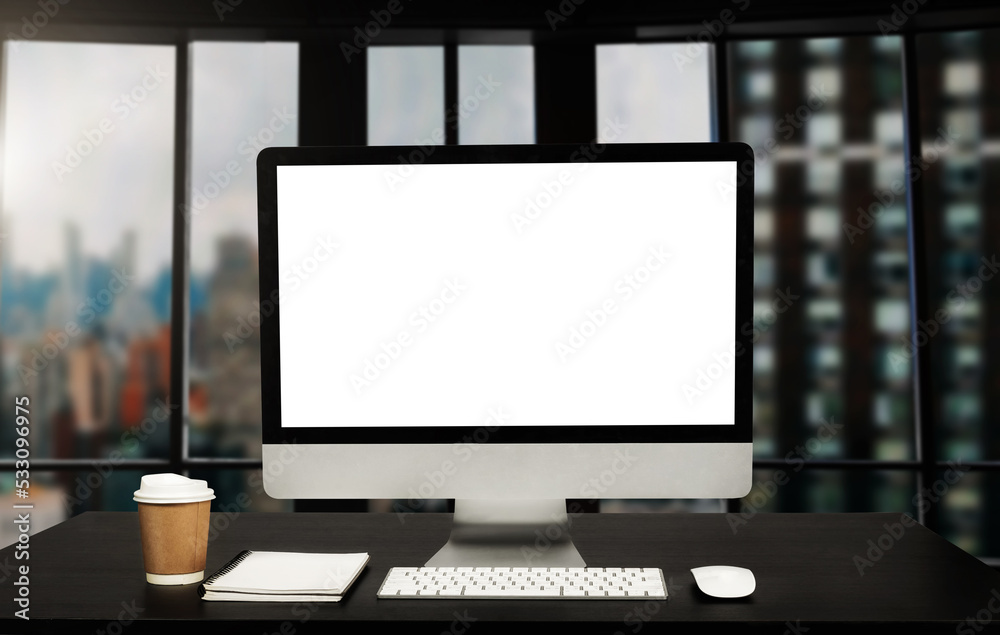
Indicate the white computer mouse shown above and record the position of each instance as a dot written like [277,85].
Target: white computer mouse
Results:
[722,581]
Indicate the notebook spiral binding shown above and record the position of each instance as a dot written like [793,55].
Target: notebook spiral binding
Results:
[229,566]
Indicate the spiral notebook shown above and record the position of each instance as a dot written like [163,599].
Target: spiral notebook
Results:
[279,576]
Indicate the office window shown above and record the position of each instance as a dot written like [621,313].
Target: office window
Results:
[496,95]
[85,254]
[961,164]
[835,295]
[406,95]
[655,92]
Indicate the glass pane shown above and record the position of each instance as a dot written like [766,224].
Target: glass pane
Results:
[961,137]
[496,95]
[244,98]
[653,92]
[85,255]
[831,303]
[968,510]
[406,95]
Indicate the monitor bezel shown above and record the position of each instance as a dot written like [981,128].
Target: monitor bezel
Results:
[268,161]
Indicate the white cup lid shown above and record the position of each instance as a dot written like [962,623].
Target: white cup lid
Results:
[172,488]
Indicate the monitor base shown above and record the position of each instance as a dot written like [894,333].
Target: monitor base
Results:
[495,533]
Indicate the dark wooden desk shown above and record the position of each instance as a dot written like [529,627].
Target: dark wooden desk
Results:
[86,575]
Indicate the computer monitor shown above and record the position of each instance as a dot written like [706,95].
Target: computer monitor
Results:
[507,326]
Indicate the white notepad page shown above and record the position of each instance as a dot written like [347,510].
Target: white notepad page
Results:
[287,572]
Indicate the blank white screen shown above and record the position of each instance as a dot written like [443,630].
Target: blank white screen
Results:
[520,283]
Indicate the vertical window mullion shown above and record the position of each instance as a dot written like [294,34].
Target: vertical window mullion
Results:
[924,408]
[451,94]
[720,90]
[566,91]
[180,265]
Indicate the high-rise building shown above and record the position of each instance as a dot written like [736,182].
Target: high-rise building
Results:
[824,117]
[233,378]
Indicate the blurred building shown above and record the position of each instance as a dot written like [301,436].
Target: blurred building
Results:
[825,119]
[232,383]
[959,75]
[146,376]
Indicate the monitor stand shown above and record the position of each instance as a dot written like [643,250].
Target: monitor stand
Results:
[509,533]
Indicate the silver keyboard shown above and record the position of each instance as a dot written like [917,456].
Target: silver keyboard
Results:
[510,583]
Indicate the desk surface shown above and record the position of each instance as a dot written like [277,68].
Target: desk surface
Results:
[86,574]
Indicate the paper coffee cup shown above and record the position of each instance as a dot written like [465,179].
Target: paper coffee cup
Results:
[173,524]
